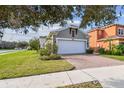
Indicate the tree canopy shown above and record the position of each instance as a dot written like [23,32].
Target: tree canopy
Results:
[16,17]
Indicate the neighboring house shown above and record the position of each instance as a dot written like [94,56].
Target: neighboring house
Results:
[101,37]
[69,40]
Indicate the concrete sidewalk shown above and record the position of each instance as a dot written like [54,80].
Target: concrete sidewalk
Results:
[108,76]
[47,80]
[3,52]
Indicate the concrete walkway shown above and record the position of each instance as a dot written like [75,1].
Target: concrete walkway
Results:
[91,61]
[108,76]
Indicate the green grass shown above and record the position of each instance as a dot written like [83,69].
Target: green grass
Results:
[89,84]
[121,58]
[26,63]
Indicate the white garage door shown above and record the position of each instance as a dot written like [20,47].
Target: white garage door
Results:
[71,46]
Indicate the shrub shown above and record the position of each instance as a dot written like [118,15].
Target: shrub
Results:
[116,52]
[45,57]
[55,49]
[50,57]
[89,51]
[48,46]
[108,52]
[101,50]
[44,52]
[52,48]
[55,56]
[34,44]
[120,47]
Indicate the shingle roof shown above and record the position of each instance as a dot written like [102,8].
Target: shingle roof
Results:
[103,27]
[62,29]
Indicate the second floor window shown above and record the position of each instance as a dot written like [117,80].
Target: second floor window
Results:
[120,32]
[73,32]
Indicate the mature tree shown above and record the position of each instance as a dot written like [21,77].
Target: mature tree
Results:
[27,16]
[7,45]
[16,17]
[1,35]
[98,15]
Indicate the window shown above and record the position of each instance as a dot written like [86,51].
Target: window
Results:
[120,32]
[73,31]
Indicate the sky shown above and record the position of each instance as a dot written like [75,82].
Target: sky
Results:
[11,35]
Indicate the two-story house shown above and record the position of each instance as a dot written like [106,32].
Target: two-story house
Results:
[101,37]
[70,40]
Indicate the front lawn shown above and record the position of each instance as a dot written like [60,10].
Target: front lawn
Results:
[26,63]
[121,58]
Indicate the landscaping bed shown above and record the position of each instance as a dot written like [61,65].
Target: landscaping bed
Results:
[91,84]
[121,58]
[26,63]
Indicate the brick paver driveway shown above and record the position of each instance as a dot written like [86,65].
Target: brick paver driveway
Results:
[91,61]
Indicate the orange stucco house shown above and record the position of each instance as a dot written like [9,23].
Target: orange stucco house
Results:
[99,37]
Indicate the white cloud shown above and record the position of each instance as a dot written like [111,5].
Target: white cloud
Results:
[11,35]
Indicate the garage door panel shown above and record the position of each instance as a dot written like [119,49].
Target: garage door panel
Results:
[71,46]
